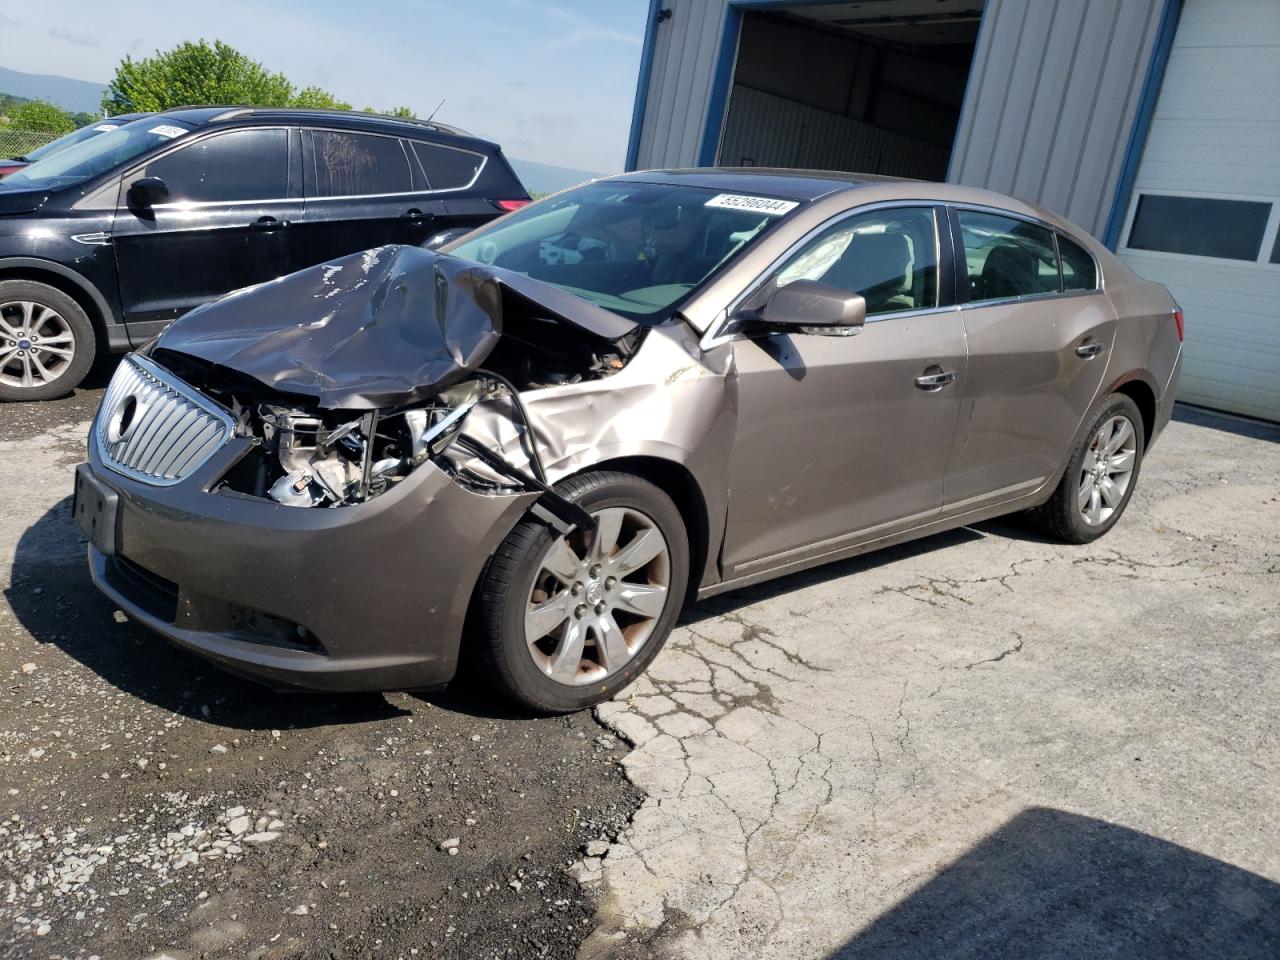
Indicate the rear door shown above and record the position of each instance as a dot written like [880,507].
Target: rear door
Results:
[839,439]
[1039,332]
[229,221]
[364,190]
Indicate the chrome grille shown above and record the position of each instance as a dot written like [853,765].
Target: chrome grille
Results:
[153,427]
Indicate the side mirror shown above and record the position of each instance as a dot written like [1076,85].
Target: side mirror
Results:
[445,236]
[147,192]
[807,306]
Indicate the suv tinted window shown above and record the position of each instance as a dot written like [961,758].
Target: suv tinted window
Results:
[359,164]
[1006,257]
[1078,269]
[887,256]
[445,167]
[237,165]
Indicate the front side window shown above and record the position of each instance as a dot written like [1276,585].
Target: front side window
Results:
[238,165]
[889,257]
[445,167]
[1006,257]
[95,155]
[1199,226]
[638,249]
[359,165]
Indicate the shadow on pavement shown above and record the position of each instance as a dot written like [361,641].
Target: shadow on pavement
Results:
[1059,886]
[1228,423]
[52,596]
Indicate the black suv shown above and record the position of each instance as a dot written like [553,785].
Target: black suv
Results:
[106,242]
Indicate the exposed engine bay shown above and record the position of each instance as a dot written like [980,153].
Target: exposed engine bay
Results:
[341,408]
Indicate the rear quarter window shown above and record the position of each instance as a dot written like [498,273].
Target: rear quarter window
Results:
[1079,272]
[447,168]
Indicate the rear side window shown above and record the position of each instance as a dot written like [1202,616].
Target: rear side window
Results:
[888,256]
[1006,257]
[359,164]
[1078,269]
[1199,226]
[238,165]
[447,168]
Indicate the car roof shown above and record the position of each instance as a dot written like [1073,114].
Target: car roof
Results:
[769,181]
[352,119]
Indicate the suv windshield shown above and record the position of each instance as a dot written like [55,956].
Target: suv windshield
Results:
[637,249]
[88,158]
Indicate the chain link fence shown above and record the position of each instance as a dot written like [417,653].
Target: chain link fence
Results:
[16,143]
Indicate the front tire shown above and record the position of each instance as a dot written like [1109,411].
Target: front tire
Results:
[1100,477]
[567,622]
[47,343]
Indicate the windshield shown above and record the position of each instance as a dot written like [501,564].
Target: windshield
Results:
[72,138]
[637,249]
[93,155]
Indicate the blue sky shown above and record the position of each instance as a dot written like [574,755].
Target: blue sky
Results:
[552,82]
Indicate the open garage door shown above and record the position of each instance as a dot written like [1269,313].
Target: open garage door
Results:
[869,87]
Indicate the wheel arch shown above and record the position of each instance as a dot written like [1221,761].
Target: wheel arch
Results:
[75,286]
[1139,387]
[678,482]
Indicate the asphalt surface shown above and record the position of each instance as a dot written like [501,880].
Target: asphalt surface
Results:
[127,765]
[978,745]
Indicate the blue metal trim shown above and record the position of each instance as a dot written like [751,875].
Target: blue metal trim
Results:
[642,86]
[1142,121]
[721,81]
[964,104]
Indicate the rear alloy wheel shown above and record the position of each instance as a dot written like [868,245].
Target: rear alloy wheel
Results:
[46,341]
[572,619]
[1101,476]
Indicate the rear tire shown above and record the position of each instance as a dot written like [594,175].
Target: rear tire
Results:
[47,343]
[1100,477]
[566,623]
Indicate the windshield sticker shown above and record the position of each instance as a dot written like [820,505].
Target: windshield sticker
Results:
[104,127]
[733,201]
[167,130]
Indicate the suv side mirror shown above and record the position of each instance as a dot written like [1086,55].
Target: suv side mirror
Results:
[147,192]
[806,306]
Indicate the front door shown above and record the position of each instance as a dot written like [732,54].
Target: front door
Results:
[229,220]
[846,439]
[364,190]
[1039,337]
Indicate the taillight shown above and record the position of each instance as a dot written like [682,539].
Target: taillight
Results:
[1177,319]
[509,205]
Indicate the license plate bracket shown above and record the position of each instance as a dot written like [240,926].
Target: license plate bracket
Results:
[95,507]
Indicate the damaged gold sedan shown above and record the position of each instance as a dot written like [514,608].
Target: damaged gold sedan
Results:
[541,438]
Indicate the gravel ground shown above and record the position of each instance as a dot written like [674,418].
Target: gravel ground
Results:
[152,804]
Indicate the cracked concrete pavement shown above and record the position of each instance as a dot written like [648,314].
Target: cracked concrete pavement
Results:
[933,750]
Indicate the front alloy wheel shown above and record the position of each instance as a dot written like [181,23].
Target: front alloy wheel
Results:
[567,621]
[46,341]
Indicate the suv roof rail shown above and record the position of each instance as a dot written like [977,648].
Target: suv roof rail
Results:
[231,112]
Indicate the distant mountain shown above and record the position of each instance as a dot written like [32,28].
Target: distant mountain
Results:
[545,178]
[76,96]
[81,96]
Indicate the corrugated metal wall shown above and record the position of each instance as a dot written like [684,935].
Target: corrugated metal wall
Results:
[773,131]
[1051,98]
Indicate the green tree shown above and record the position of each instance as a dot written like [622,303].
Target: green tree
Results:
[317,99]
[405,113]
[41,116]
[194,73]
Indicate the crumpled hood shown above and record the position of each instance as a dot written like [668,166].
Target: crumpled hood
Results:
[389,326]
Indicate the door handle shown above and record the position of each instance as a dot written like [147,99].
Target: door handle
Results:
[414,214]
[1090,348]
[268,224]
[935,381]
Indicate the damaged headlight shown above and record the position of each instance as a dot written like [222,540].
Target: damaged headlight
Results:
[309,460]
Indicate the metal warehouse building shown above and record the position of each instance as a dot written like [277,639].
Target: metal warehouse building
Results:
[1154,124]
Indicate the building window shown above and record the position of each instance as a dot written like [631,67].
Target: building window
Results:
[1199,226]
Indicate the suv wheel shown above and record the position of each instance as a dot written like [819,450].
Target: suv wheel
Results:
[46,341]
[569,621]
[1101,476]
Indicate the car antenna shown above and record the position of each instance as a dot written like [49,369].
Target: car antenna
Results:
[437,109]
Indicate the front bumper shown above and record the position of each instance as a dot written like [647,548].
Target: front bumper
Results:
[364,597]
